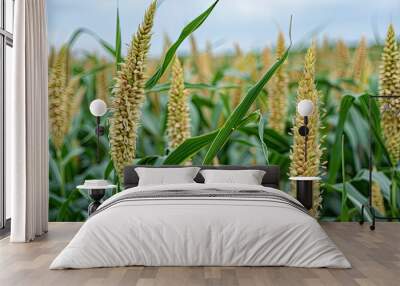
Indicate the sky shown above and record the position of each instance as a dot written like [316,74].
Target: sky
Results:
[253,24]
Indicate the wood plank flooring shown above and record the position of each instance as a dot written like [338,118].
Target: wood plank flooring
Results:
[375,257]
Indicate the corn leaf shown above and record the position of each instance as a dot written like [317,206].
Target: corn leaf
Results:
[107,46]
[189,148]
[72,154]
[193,145]
[261,129]
[92,71]
[187,30]
[201,86]
[118,56]
[379,177]
[240,111]
[375,119]
[272,139]
[353,195]
[334,162]
[148,160]
[108,170]
[343,208]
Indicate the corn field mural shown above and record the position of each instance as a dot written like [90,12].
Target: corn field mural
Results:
[203,107]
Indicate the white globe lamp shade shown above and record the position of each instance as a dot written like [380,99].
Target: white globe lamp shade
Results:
[305,107]
[98,107]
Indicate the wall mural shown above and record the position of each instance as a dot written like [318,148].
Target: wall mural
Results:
[232,108]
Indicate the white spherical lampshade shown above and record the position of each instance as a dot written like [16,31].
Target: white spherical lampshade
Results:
[305,107]
[98,107]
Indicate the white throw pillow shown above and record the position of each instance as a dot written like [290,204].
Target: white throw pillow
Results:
[166,176]
[248,177]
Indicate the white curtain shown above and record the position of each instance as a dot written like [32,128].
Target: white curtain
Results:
[27,124]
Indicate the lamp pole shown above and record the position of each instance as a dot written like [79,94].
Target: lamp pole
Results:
[305,108]
[99,132]
[303,131]
[98,108]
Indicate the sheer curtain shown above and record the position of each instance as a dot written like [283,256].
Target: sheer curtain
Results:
[27,124]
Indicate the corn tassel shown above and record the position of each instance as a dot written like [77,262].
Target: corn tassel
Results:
[278,92]
[178,123]
[129,96]
[342,60]
[389,85]
[361,67]
[102,85]
[57,109]
[377,198]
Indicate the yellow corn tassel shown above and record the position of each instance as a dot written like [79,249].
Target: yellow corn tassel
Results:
[295,75]
[266,58]
[342,63]
[61,96]
[236,94]
[246,64]
[324,56]
[326,47]
[298,165]
[57,109]
[377,198]
[69,96]
[202,62]
[278,91]
[342,60]
[389,85]
[178,122]
[102,85]
[205,66]
[194,52]
[361,67]
[129,96]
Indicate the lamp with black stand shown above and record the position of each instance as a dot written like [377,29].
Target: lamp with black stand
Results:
[304,185]
[97,188]
[98,108]
[368,205]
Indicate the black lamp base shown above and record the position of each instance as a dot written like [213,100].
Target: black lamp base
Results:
[96,195]
[305,193]
[367,207]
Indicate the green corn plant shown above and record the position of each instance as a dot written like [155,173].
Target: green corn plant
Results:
[240,111]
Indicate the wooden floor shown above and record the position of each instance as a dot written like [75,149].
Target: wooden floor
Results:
[375,257]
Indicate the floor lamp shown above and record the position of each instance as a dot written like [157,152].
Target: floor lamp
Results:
[98,108]
[304,184]
[368,205]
